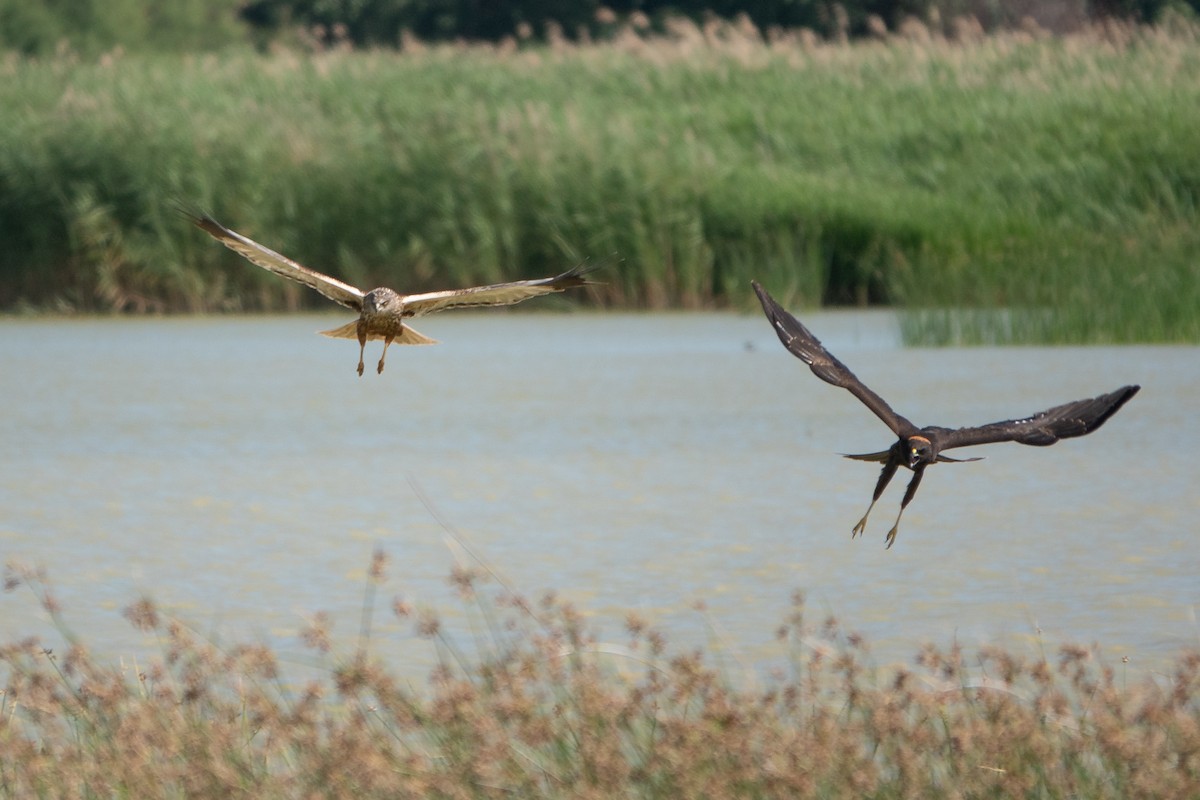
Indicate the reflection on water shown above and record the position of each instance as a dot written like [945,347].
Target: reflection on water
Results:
[240,473]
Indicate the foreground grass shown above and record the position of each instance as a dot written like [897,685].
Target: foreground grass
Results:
[548,711]
[1056,179]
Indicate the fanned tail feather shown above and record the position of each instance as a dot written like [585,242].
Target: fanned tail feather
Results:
[347,331]
[881,456]
[350,331]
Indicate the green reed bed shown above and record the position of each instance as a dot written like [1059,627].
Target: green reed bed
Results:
[544,708]
[1008,172]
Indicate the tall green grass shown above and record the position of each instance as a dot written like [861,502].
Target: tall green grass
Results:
[1051,178]
[545,708]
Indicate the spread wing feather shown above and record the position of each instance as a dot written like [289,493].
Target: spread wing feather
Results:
[1076,418]
[268,259]
[802,344]
[497,294]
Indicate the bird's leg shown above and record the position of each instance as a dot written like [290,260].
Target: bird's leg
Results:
[386,342]
[885,475]
[362,345]
[918,471]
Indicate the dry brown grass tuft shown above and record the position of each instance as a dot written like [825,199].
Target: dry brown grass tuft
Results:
[552,712]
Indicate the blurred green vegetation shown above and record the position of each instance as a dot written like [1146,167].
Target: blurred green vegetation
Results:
[1049,184]
[95,26]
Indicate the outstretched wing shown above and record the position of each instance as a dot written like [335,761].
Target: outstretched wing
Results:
[497,294]
[1072,419]
[266,258]
[806,347]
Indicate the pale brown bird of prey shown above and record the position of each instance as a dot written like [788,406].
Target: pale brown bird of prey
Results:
[382,311]
[917,448]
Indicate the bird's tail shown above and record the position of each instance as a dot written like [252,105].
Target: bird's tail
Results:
[407,336]
[882,456]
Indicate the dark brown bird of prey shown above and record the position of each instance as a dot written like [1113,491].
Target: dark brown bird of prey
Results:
[917,448]
[382,311]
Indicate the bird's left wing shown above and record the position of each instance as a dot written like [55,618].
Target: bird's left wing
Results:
[497,294]
[1076,418]
[268,259]
[801,343]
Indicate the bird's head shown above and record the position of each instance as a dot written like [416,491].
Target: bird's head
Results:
[378,301]
[919,450]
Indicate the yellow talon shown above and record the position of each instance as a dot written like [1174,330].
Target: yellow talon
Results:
[891,537]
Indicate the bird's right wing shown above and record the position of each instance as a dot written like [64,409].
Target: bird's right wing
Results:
[806,347]
[268,259]
[1077,418]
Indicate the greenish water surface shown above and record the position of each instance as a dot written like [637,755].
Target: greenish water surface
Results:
[237,471]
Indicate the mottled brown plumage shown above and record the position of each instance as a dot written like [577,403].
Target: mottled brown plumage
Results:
[917,448]
[382,311]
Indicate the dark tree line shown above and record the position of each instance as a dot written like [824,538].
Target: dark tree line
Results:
[97,25]
[367,22]
[380,22]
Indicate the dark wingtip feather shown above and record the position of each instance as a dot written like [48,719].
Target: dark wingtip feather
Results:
[768,302]
[800,341]
[198,217]
[786,326]
[188,210]
[577,275]
[1079,418]
[1116,399]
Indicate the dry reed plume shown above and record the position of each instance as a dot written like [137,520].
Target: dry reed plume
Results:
[552,712]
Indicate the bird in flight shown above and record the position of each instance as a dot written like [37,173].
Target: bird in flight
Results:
[917,448]
[382,311]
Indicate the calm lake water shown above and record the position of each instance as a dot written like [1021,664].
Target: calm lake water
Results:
[237,471]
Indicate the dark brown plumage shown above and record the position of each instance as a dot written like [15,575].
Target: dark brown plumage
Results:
[917,448]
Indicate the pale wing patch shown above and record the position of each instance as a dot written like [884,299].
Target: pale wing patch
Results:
[501,294]
[268,259]
[496,294]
